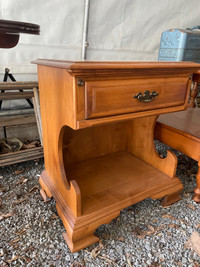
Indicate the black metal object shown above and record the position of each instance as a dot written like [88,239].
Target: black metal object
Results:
[80,82]
[4,131]
[5,79]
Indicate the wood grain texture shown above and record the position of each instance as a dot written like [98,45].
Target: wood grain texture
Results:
[141,139]
[119,118]
[109,66]
[94,167]
[185,121]
[105,98]
[53,120]
[121,185]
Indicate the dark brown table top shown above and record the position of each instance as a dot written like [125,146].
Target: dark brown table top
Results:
[10,32]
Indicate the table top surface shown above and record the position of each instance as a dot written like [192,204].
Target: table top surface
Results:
[114,64]
[121,67]
[187,121]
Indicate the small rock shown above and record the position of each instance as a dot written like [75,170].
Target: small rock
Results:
[67,257]
[184,260]
[75,255]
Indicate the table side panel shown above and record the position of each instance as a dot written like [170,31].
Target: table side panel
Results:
[57,103]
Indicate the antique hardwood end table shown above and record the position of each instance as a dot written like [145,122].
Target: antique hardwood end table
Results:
[98,123]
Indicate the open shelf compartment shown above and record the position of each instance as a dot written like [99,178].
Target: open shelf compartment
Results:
[118,178]
[109,173]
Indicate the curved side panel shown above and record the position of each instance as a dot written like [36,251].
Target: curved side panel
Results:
[141,138]
[72,195]
[60,158]
[70,200]
[169,164]
[74,200]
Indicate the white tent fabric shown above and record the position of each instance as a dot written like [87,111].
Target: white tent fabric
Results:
[117,30]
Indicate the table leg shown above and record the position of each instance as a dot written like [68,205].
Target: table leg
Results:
[196,197]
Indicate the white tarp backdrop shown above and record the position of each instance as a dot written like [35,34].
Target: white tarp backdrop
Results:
[117,30]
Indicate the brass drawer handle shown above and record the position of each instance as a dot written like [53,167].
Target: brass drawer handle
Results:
[146,97]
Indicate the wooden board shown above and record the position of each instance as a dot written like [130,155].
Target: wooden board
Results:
[16,95]
[116,178]
[17,120]
[23,131]
[18,85]
[21,156]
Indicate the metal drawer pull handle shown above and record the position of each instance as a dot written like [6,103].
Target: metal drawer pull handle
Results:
[146,97]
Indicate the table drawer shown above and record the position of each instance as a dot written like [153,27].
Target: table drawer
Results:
[113,97]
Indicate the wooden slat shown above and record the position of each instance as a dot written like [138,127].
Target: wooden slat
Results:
[21,152]
[36,104]
[16,95]
[17,120]
[17,85]
[23,132]
[21,156]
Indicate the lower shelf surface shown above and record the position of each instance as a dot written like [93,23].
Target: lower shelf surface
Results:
[117,179]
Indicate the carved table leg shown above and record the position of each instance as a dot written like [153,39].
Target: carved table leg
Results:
[170,199]
[79,229]
[196,197]
[171,195]
[79,235]
[193,94]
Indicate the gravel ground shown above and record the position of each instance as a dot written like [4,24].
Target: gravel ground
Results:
[145,234]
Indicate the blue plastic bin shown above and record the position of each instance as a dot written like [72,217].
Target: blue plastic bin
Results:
[180,45]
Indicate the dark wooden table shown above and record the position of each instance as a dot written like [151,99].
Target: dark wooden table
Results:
[9,36]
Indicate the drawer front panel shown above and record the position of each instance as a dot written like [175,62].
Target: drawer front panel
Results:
[107,98]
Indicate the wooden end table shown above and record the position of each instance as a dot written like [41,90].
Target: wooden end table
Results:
[181,131]
[98,127]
